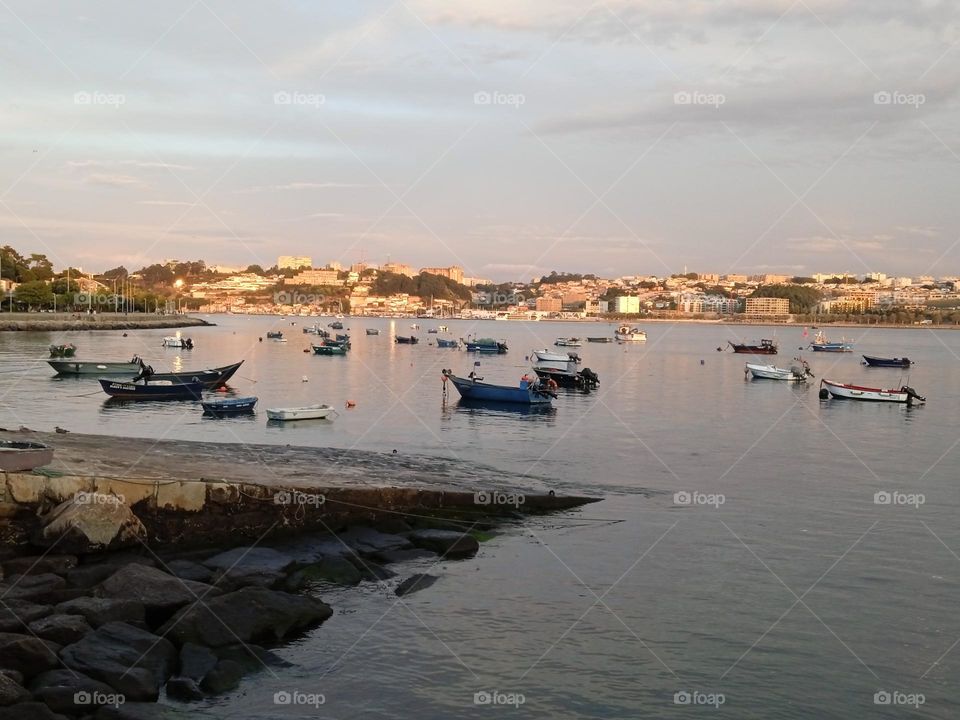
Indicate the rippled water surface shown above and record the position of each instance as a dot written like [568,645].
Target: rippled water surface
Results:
[795,595]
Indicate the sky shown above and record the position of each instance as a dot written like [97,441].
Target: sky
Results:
[511,138]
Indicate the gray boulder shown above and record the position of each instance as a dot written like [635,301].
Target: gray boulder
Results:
[37,564]
[245,566]
[414,583]
[448,543]
[367,541]
[87,527]
[26,654]
[98,611]
[189,570]
[70,692]
[60,628]
[396,556]
[248,615]
[11,692]
[225,676]
[29,711]
[159,593]
[336,570]
[36,588]
[86,576]
[196,661]
[15,615]
[133,661]
[185,689]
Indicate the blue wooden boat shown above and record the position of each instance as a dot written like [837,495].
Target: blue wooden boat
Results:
[529,392]
[402,340]
[210,378]
[486,345]
[821,344]
[229,406]
[444,343]
[328,348]
[887,362]
[159,390]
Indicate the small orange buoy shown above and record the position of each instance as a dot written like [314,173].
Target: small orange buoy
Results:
[350,404]
[222,388]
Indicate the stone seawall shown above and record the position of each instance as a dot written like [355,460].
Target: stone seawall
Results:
[58,322]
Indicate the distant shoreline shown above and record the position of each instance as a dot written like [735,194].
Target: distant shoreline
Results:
[56,322]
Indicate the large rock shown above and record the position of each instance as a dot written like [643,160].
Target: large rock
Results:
[34,565]
[247,615]
[367,541]
[150,711]
[98,611]
[396,556]
[414,583]
[86,576]
[448,543]
[243,566]
[196,661]
[29,711]
[28,655]
[36,588]
[225,676]
[133,661]
[71,692]
[189,570]
[159,593]
[60,628]
[15,615]
[336,570]
[11,691]
[86,527]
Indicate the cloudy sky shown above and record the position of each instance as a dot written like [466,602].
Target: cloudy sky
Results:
[625,137]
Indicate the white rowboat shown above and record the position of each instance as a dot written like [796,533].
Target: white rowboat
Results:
[310,412]
[905,394]
[795,373]
[625,333]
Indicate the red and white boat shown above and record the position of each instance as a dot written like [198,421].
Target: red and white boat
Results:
[906,394]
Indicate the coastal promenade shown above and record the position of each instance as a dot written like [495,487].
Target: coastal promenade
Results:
[102,321]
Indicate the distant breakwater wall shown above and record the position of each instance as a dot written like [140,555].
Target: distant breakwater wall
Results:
[57,322]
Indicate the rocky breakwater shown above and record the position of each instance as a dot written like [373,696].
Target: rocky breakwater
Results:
[105,635]
[57,322]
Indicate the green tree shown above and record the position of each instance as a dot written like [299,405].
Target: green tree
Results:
[33,294]
[802,298]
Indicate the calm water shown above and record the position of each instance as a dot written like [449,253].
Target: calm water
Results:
[794,595]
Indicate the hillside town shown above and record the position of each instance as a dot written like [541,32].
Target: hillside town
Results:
[298,286]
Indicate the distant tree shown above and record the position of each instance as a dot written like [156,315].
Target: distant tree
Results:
[255,269]
[33,294]
[117,273]
[802,298]
[802,280]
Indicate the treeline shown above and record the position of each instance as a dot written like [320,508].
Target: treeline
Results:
[423,285]
[802,299]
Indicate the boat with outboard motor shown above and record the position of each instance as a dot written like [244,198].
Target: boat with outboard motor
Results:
[220,407]
[798,372]
[821,344]
[625,333]
[584,379]
[872,361]
[905,395]
[766,347]
[530,391]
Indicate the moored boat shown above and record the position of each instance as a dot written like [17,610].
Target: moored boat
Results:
[328,347]
[567,342]
[625,333]
[308,412]
[373,331]
[445,343]
[159,390]
[210,378]
[584,379]
[530,391]
[92,367]
[63,351]
[178,342]
[229,406]
[906,394]
[406,340]
[599,339]
[795,373]
[274,334]
[872,361]
[822,344]
[766,347]
[19,455]
[336,325]
[486,345]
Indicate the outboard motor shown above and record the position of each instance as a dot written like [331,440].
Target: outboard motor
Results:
[912,395]
[589,376]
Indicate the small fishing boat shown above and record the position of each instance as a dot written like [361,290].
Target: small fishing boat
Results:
[584,379]
[906,394]
[403,340]
[329,348]
[20,455]
[342,338]
[821,344]
[209,379]
[766,347]
[548,356]
[599,339]
[432,331]
[373,331]
[444,343]
[229,406]
[274,334]
[486,345]
[309,412]
[63,351]
[567,342]
[872,361]
[92,367]
[336,325]
[178,342]
[625,333]
[153,390]
[530,391]
[795,373]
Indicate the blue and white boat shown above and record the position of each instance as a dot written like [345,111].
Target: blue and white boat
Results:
[486,345]
[530,391]
[229,406]
[445,343]
[821,344]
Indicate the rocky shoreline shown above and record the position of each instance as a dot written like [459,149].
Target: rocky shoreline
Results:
[58,322]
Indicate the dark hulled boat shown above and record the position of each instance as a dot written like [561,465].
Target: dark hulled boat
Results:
[403,340]
[766,347]
[161,390]
[887,362]
[229,406]
[209,379]
[584,379]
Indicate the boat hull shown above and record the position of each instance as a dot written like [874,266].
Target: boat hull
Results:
[477,390]
[568,378]
[599,339]
[771,372]
[329,350]
[753,349]
[319,412]
[887,362]
[17,455]
[832,347]
[856,392]
[159,391]
[70,367]
[231,406]
[210,378]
